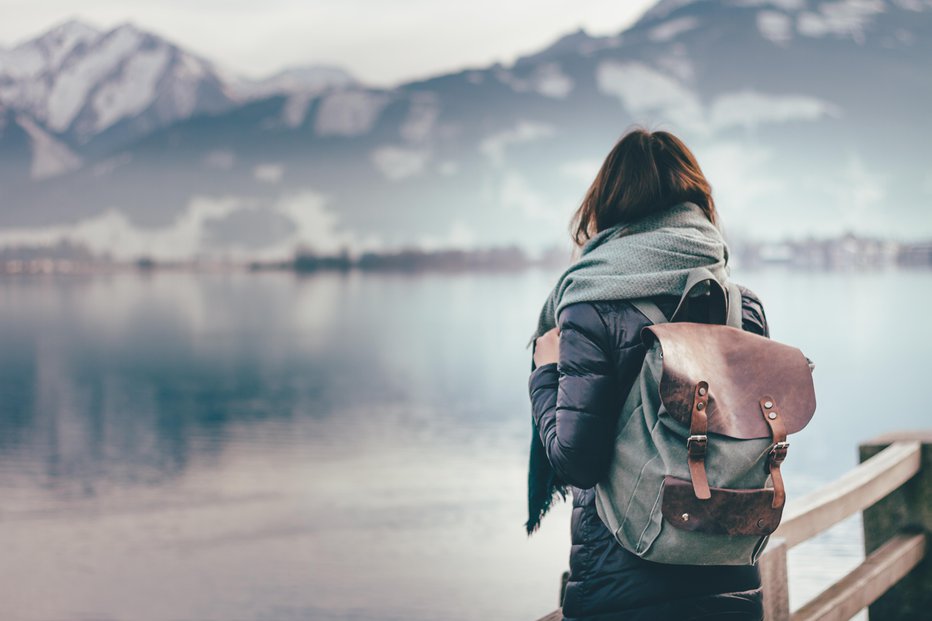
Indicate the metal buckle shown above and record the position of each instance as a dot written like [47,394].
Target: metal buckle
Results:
[696,445]
[778,452]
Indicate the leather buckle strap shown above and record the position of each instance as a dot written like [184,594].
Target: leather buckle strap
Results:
[696,446]
[778,451]
[698,441]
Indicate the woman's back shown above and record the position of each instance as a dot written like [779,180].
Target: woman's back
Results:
[600,357]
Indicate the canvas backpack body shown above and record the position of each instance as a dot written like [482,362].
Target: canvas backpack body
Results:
[695,475]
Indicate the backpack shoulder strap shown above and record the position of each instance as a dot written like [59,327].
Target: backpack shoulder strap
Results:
[649,310]
[699,279]
[734,305]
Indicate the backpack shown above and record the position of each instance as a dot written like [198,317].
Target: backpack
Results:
[695,475]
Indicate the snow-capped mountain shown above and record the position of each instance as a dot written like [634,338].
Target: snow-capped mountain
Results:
[808,116]
[92,91]
[108,88]
[304,80]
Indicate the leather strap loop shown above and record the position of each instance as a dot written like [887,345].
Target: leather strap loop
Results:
[698,440]
[778,451]
[698,281]
[733,315]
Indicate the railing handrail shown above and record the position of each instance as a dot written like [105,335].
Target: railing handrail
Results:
[868,581]
[853,492]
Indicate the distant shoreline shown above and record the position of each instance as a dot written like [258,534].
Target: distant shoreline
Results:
[845,253]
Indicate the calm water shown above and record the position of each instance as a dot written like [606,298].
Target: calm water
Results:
[263,446]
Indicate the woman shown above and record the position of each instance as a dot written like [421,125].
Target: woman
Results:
[647,219]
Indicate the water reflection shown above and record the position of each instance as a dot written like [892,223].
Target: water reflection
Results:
[253,446]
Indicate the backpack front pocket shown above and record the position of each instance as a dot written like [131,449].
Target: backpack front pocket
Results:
[727,512]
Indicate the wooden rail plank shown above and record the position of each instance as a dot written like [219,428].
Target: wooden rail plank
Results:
[867,582]
[851,493]
[906,509]
[556,615]
[774,580]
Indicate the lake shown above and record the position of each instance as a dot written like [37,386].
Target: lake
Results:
[352,447]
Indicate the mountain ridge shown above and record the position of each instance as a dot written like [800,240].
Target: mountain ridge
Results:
[97,89]
[771,95]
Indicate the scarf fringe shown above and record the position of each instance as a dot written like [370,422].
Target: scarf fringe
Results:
[533,523]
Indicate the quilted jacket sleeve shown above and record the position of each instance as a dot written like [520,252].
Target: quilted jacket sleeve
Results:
[575,402]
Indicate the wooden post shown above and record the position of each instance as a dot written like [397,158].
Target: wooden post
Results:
[773,577]
[909,509]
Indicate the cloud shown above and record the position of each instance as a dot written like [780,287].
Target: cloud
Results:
[742,175]
[644,91]
[396,163]
[786,5]
[857,191]
[581,170]
[670,29]
[495,146]
[547,79]
[268,173]
[448,168]
[677,63]
[840,18]
[460,235]
[550,81]
[516,193]
[749,109]
[111,232]
[300,219]
[776,27]
[220,159]
[317,226]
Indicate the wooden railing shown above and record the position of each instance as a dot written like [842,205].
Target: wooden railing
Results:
[893,488]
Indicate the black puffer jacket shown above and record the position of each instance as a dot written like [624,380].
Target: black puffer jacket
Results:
[576,405]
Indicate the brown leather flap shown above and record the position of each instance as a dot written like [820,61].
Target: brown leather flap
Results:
[727,512]
[741,368]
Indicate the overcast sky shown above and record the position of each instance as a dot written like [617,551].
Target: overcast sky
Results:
[380,41]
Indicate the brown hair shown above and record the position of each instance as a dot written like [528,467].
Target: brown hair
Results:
[645,172]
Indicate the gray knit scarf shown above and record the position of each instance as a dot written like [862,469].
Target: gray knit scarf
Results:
[651,256]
